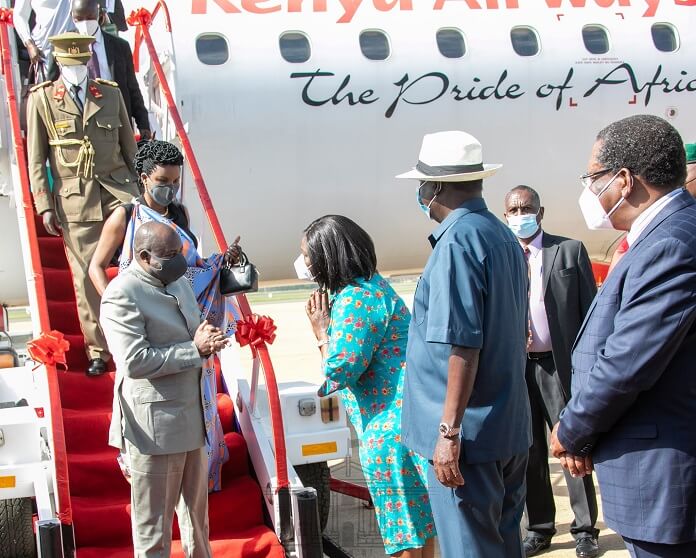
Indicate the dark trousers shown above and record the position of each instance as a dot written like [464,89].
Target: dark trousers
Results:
[482,518]
[643,549]
[547,401]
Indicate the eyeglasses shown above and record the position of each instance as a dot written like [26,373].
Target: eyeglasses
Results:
[588,179]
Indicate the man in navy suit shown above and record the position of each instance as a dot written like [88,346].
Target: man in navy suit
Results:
[632,415]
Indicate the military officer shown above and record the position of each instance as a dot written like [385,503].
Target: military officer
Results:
[81,127]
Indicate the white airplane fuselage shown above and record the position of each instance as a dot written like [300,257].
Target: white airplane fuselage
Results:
[281,143]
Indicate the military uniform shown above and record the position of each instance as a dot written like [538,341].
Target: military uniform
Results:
[90,153]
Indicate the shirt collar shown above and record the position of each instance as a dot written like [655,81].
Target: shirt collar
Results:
[645,218]
[535,245]
[471,206]
[143,275]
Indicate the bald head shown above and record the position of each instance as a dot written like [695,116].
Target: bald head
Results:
[155,239]
[85,9]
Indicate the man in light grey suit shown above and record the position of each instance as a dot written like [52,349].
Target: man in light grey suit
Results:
[561,290]
[152,324]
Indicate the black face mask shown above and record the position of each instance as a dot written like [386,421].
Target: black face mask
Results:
[168,270]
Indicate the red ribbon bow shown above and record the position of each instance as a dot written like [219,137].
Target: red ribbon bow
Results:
[6,16]
[255,330]
[141,16]
[49,348]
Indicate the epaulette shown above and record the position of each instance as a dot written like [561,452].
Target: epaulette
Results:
[40,86]
[106,82]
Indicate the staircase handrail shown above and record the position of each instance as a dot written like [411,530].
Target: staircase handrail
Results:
[142,20]
[38,302]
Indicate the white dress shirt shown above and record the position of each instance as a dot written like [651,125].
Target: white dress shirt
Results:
[541,336]
[82,93]
[98,47]
[53,17]
[645,218]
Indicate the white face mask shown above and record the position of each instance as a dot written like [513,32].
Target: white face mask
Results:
[302,270]
[593,212]
[74,75]
[87,26]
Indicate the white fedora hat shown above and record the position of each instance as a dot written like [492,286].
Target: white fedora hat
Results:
[450,157]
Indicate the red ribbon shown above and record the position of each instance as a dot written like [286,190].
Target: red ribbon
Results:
[141,16]
[49,348]
[138,19]
[255,330]
[6,16]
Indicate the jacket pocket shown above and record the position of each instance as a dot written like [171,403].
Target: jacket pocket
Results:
[66,187]
[568,272]
[108,127]
[151,394]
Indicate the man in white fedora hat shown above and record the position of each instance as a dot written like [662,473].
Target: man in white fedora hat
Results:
[465,403]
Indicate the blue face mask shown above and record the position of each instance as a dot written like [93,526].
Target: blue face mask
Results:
[424,208]
[523,226]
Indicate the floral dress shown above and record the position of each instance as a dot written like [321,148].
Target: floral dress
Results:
[366,361]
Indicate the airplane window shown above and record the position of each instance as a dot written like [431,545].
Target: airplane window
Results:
[374,45]
[294,47]
[665,37]
[596,39]
[524,41]
[450,43]
[212,49]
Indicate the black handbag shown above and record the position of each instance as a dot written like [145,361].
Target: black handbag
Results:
[240,278]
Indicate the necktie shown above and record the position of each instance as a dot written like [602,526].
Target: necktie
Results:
[527,254]
[93,65]
[619,253]
[75,91]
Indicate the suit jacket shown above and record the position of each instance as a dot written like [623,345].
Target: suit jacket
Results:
[105,122]
[158,392]
[120,59]
[569,288]
[634,383]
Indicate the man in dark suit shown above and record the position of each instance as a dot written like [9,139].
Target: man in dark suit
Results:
[633,402]
[561,290]
[112,59]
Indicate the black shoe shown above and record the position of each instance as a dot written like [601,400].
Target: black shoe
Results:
[96,367]
[533,544]
[587,547]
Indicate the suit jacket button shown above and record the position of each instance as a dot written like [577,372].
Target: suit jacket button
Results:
[96,176]
[108,126]
[127,179]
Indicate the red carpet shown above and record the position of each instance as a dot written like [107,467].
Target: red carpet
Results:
[100,495]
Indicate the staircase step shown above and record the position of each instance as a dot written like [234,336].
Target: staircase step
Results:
[80,392]
[59,286]
[76,357]
[238,463]
[64,317]
[97,473]
[52,252]
[257,542]
[97,519]
[86,430]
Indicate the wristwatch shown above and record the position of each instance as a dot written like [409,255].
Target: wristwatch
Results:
[447,431]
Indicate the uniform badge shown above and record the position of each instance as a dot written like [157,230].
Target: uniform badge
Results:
[73,49]
[59,92]
[94,91]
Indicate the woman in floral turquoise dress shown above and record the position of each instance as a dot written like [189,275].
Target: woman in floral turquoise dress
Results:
[361,330]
